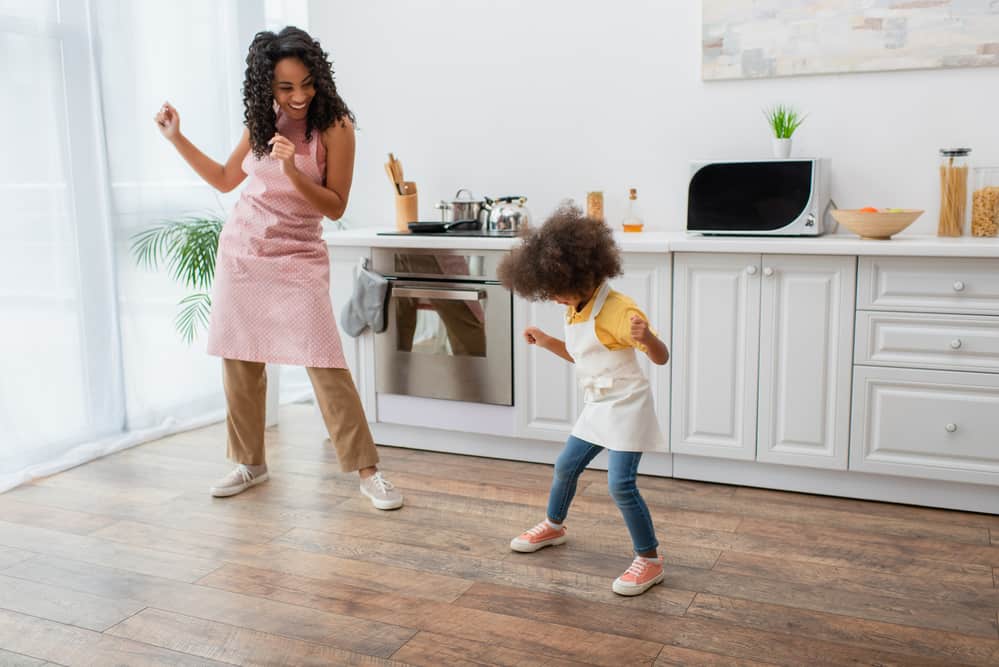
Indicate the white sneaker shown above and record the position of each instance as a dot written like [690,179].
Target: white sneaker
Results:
[239,480]
[381,492]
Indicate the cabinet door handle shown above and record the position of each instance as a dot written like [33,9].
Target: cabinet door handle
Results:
[958,285]
[767,271]
[955,344]
[751,270]
[950,428]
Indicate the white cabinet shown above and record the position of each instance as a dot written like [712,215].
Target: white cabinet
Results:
[806,353]
[912,414]
[715,353]
[762,357]
[546,395]
[929,285]
[932,424]
[359,352]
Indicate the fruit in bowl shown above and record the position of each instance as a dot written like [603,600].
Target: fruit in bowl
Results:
[873,223]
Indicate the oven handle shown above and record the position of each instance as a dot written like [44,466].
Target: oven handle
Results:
[443,294]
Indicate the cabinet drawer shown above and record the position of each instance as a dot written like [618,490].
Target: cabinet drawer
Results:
[931,424]
[929,284]
[946,342]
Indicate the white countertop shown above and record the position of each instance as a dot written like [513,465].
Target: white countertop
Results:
[912,245]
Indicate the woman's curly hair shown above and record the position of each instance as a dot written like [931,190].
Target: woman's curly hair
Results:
[569,255]
[266,50]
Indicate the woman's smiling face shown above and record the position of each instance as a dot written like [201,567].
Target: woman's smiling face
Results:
[293,87]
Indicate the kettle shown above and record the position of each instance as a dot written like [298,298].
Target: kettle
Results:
[508,214]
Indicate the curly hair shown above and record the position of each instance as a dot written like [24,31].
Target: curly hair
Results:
[569,255]
[266,50]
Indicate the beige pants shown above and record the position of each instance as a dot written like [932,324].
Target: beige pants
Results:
[246,395]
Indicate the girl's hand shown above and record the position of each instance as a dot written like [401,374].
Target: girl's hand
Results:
[284,150]
[168,121]
[535,336]
[640,331]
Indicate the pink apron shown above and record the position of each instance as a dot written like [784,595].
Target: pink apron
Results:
[271,300]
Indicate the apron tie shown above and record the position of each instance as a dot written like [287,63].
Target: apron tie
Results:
[597,387]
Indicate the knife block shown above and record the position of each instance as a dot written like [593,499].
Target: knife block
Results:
[405,211]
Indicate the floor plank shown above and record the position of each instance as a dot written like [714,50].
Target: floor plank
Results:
[665,600]
[8,659]
[864,582]
[957,552]
[104,552]
[429,649]
[9,556]
[214,604]
[725,639]
[480,626]
[233,644]
[64,606]
[77,647]
[685,657]
[66,521]
[950,647]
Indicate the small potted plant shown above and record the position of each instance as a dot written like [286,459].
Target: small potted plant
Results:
[783,120]
[186,247]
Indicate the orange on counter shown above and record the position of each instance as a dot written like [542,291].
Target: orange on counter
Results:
[868,209]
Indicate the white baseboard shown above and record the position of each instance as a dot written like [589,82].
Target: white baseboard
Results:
[848,484]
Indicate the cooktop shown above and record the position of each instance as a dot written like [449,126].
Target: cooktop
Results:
[477,233]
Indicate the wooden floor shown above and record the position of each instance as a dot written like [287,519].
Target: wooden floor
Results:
[128,561]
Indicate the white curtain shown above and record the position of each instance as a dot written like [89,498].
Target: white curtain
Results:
[90,361]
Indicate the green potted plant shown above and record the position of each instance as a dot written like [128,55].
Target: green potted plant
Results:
[186,247]
[783,121]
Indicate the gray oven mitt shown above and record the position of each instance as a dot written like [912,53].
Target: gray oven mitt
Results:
[368,305]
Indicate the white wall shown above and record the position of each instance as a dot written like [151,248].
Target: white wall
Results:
[550,98]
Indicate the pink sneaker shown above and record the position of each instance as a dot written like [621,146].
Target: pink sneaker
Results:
[539,537]
[640,577]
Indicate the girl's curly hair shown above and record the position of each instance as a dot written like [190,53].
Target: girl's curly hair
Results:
[569,255]
[266,50]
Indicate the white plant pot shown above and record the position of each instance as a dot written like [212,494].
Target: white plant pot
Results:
[782,147]
[273,395]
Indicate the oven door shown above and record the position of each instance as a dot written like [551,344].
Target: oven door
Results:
[449,340]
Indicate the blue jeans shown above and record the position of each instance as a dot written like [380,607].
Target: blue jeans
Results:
[620,479]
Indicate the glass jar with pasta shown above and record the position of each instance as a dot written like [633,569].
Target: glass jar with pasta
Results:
[953,190]
[985,201]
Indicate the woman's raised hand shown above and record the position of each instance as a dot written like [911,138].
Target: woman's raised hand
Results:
[284,150]
[168,120]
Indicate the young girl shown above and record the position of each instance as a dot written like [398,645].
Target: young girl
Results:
[270,301]
[568,260]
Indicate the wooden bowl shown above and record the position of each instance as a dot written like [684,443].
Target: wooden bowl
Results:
[881,225]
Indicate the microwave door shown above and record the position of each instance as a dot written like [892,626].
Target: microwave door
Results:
[748,197]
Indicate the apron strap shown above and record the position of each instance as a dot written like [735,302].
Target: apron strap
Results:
[600,300]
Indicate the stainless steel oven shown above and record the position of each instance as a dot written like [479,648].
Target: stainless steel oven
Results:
[450,326]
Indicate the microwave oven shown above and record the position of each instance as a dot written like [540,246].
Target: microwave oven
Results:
[780,197]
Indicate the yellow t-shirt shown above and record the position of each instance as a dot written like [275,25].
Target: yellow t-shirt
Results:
[613,324]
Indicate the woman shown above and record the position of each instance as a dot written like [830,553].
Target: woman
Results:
[270,300]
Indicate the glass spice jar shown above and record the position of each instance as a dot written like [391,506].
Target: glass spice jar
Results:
[985,201]
[953,190]
[595,205]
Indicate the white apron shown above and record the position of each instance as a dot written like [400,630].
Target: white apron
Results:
[618,412]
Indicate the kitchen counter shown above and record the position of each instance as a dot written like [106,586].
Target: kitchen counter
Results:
[829,365]
[914,245]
